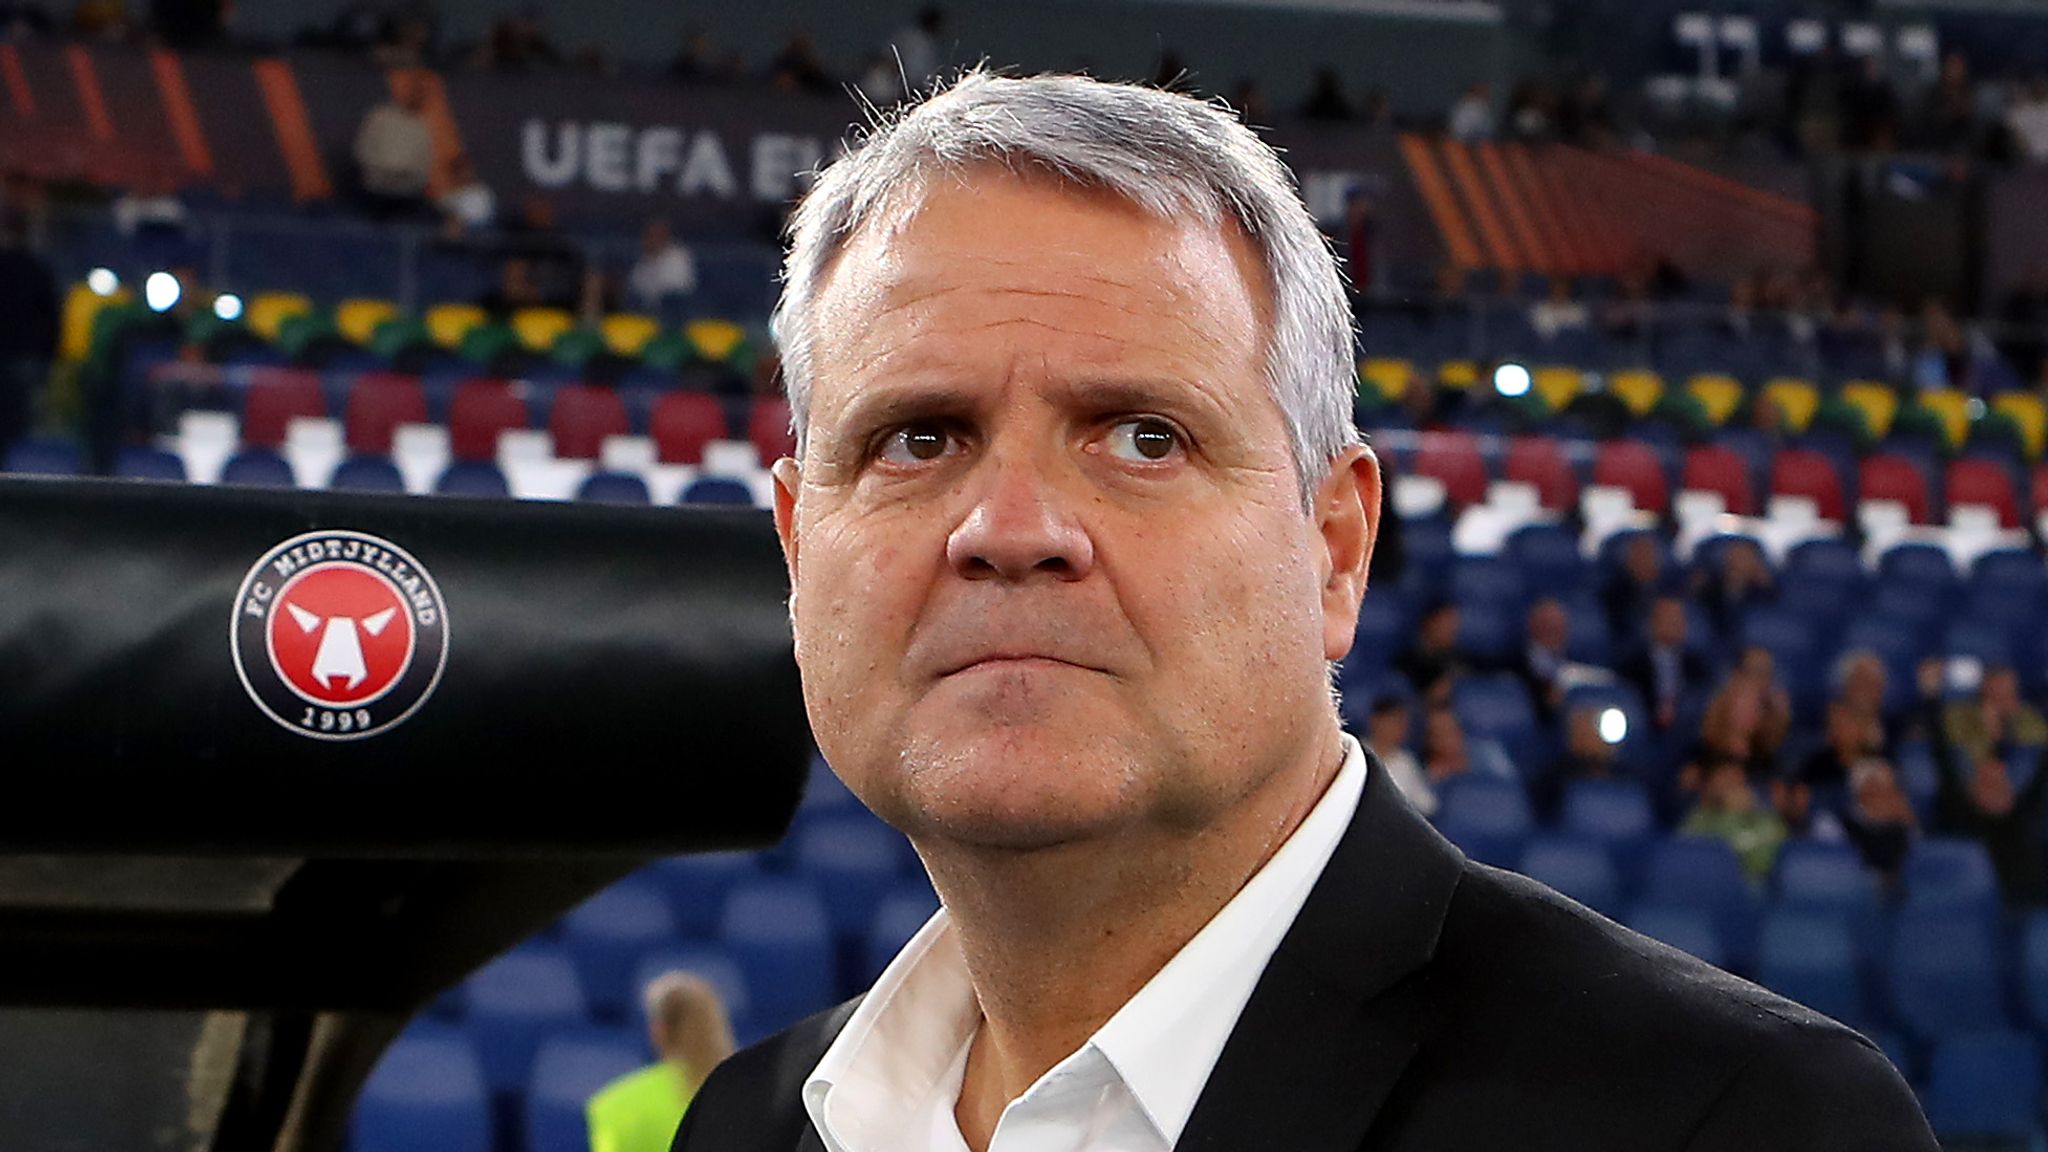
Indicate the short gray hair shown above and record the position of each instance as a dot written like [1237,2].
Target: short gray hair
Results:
[1169,155]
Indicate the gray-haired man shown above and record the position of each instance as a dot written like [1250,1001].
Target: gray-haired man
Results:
[1078,522]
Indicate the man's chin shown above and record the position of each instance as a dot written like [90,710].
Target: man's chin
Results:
[1021,790]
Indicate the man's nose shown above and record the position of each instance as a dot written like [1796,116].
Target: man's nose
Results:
[1019,526]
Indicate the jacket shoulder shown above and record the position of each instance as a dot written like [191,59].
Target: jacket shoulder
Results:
[754,1101]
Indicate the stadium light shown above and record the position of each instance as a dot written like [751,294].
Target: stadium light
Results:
[1511,380]
[227,306]
[161,291]
[103,282]
[1614,725]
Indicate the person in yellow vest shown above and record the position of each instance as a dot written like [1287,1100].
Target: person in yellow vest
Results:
[639,1111]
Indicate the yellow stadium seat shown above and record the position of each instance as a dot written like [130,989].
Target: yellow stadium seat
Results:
[627,333]
[1458,374]
[1954,409]
[1388,374]
[1557,385]
[1797,401]
[267,311]
[1878,403]
[357,318]
[447,324]
[539,328]
[82,306]
[1638,388]
[715,340]
[1719,395]
[2030,414]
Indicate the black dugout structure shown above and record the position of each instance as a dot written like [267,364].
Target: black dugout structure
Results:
[282,766]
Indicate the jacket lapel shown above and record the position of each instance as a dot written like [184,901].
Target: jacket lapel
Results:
[1333,1022]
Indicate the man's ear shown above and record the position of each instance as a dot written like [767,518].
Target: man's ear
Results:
[788,476]
[1348,519]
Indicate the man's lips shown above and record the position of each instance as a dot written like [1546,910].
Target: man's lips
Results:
[1015,660]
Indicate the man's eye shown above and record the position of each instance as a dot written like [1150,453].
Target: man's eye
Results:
[1145,440]
[916,444]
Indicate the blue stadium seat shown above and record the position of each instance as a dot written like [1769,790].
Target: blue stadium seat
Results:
[1951,872]
[472,478]
[1577,867]
[1487,819]
[1488,580]
[43,458]
[2033,964]
[1382,632]
[1497,708]
[613,488]
[1616,813]
[149,464]
[696,885]
[607,934]
[1812,957]
[367,474]
[515,1002]
[1819,878]
[1988,641]
[1944,973]
[1921,565]
[1548,557]
[1636,754]
[1985,1087]
[568,1070]
[717,490]
[855,860]
[425,1095]
[1489,630]
[897,919]
[1702,872]
[1687,929]
[1789,637]
[2013,573]
[1832,562]
[780,933]
[717,966]
[257,468]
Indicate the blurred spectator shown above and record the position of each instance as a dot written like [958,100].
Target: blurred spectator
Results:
[518,287]
[1326,99]
[2027,121]
[1861,686]
[1947,119]
[1387,736]
[1741,582]
[1448,752]
[1878,818]
[798,68]
[28,298]
[1629,314]
[555,264]
[664,271]
[1870,109]
[150,204]
[1979,748]
[693,61]
[1630,591]
[1529,115]
[1728,809]
[688,1029]
[1587,754]
[468,205]
[1543,662]
[1847,741]
[917,49]
[1662,668]
[1750,716]
[1435,661]
[1559,311]
[1472,116]
[394,151]
[404,41]
[1585,115]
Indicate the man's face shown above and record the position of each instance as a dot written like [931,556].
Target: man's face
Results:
[1667,623]
[1052,574]
[1549,627]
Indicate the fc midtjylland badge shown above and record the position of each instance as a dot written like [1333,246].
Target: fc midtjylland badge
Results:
[339,635]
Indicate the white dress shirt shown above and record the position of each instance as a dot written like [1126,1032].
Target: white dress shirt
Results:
[890,1081]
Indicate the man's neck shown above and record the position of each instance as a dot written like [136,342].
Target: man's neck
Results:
[1056,941]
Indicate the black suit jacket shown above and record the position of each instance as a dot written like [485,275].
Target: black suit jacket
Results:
[1424,1002]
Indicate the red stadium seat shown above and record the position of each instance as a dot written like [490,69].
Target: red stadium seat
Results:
[1888,477]
[1453,458]
[683,422]
[1804,472]
[1633,465]
[276,397]
[1984,482]
[768,428]
[1714,468]
[1537,460]
[583,416]
[378,402]
[481,411]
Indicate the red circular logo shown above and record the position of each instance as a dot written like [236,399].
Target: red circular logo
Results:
[340,635]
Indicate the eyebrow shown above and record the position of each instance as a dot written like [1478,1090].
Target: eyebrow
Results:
[895,404]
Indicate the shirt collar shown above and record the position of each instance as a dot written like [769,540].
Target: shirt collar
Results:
[906,1039]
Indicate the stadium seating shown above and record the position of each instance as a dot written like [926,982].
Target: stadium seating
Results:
[567,1072]
[780,932]
[1985,1087]
[513,1004]
[481,410]
[426,1095]
[606,935]
[1944,973]
[582,417]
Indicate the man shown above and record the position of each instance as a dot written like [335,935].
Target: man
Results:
[394,151]
[1544,659]
[687,1025]
[1663,669]
[1386,736]
[665,270]
[1077,525]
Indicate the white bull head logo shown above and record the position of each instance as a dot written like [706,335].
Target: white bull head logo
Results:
[341,651]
